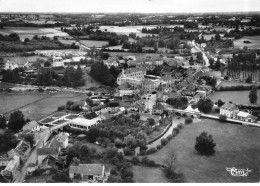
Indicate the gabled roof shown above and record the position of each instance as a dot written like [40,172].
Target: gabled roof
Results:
[158,106]
[30,125]
[47,151]
[229,105]
[87,169]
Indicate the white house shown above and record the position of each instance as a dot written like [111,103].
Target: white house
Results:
[88,172]
[32,126]
[11,169]
[131,73]
[42,153]
[227,109]
[84,124]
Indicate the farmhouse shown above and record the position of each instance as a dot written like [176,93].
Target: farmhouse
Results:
[228,109]
[131,75]
[42,153]
[88,172]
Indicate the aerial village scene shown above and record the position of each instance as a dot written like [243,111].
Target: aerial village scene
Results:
[145,97]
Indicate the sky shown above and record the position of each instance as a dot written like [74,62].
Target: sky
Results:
[125,6]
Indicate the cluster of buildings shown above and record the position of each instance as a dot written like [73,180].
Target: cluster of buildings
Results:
[230,110]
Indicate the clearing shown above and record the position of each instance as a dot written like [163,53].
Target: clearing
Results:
[237,146]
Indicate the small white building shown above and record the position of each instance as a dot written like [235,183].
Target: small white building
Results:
[87,172]
[84,124]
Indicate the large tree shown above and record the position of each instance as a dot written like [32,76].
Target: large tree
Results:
[253,95]
[16,120]
[205,105]
[205,144]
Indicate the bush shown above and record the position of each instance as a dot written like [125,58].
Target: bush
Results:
[128,151]
[175,131]
[222,118]
[188,120]
[164,141]
[151,150]
[180,126]
[169,137]
[217,110]
[159,147]
[63,107]
[145,160]
[135,160]
[151,163]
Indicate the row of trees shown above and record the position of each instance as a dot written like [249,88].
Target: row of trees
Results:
[100,72]
[71,78]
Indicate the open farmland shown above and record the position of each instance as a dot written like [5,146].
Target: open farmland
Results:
[137,55]
[67,41]
[36,106]
[234,96]
[255,42]
[237,146]
[29,32]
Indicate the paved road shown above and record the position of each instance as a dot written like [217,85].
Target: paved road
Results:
[203,53]
[32,159]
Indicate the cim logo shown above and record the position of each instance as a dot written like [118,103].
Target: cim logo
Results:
[238,172]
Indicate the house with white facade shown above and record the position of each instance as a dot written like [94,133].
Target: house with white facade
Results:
[88,172]
[228,109]
[131,75]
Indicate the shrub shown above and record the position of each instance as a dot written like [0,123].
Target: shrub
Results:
[222,118]
[151,163]
[217,110]
[135,160]
[169,137]
[180,126]
[128,151]
[164,141]
[145,160]
[63,107]
[188,120]
[176,131]
[159,147]
[151,150]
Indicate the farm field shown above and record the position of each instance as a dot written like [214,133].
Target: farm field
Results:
[36,106]
[29,32]
[149,175]
[234,96]
[255,42]
[91,43]
[137,55]
[237,146]
[67,41]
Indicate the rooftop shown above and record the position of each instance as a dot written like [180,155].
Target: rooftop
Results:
[87,169]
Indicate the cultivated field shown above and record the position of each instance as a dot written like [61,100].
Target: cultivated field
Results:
[255,42]
[36,106]
[237,146]
[234,96]
[149,175]
[67,41]
[29,32]
[91,43]
[137,55]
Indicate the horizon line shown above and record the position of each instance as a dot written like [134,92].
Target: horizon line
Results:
[226,12]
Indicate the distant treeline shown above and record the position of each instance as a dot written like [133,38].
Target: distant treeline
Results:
[12,43]
[238,87]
